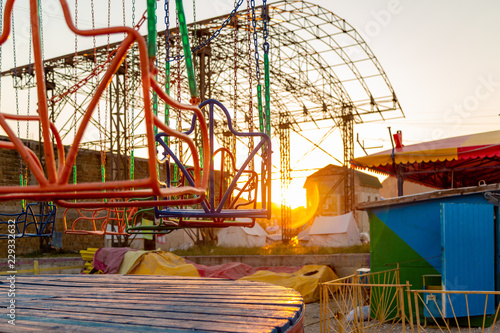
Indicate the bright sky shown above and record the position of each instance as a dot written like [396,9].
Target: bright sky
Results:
[442,58]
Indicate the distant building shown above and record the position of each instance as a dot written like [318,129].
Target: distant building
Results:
[390,188]
[330,183]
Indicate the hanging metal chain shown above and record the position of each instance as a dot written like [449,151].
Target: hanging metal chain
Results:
[265,33]
[235,97]
[96,83]
[194,17]
[1,25]
[179,113]
[109,23]
[214,35]
[28,100]
[249,119]
[167,29]
[132,113]
[124,16]
[16,86]
[257,69]
[195,36]
[75,63]
[267,85]
[235,63]
[126,97]
[40,10]
[133,12]
[167,63]
[255,42]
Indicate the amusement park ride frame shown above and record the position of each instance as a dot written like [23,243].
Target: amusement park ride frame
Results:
[321,70]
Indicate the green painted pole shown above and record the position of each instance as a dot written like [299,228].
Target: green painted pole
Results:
[103,174]
[132,164]
[267,93]
[259,103]
[187,49]
[151,28]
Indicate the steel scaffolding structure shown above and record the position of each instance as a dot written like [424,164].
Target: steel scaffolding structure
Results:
[321,70]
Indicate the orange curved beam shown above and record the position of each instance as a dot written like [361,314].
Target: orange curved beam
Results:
[55,186]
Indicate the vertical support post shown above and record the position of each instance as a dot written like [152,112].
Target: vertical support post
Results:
[400,180]
[119,168]
[402,301]
[286,213]
[410,312]
[348,145]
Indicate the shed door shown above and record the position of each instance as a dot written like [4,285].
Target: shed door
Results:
[467,242]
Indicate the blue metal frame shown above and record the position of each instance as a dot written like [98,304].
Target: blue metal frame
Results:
[208,209]
[28,221]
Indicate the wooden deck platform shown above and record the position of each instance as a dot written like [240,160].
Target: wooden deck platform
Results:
[144,303]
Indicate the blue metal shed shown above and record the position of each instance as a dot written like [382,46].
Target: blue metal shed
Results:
[448,233]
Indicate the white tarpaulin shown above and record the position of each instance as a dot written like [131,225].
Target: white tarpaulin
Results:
[334,231]
[242,237]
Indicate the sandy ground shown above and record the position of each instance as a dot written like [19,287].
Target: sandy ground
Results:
[312,324]
[312,318]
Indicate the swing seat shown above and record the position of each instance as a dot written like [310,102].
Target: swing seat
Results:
[27,223]
[98,221]
[221,208]
[52,185]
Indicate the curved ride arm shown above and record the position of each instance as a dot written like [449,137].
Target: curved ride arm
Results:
[148,71]
[265,142]
[55,185]
[53,129]
[132,36]
[200,181]
[10,145]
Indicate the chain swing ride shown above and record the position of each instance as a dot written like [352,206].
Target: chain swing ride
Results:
[221,207]
[174,199]
[34,219]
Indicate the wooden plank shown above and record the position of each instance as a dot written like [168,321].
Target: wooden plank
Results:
[261,312]
[146,323]
[181,289]
[267,311]
[231,298]
[221,317]
[68,325]
[152,303]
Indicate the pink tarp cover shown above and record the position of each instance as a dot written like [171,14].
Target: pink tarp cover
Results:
[236,270]
[109,259]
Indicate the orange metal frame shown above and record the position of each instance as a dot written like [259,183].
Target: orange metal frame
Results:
[55,185]
[98,220]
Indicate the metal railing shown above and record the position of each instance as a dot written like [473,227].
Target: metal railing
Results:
[378,302]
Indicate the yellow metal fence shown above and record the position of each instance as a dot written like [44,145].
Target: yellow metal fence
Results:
[378,302]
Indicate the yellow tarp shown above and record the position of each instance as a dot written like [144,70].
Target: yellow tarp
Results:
[306,280]
[162,263]
[129,260]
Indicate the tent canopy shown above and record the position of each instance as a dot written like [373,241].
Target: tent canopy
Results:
[324,225]
[242,237]
[453,162]
[334,231]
